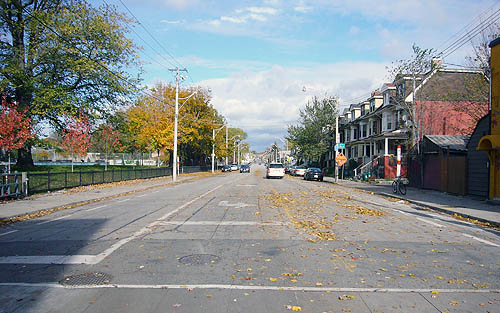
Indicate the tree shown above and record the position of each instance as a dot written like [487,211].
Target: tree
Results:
[418,65]
[106,139]
[15,127]
[76,137]
[310,137]
[58,57]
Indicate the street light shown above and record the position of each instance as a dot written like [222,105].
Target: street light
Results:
[234,143]
[213,145]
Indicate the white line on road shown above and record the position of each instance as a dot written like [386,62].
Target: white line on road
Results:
[404,213]
[482,240]
[123,200]
[257,288]
[140,196]
[221,223]
[97,207]
[429,222]
[9,232]
[93,259]
[56,219]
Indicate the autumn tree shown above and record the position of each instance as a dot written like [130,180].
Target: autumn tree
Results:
[310,136]
[106,140]
[15,127]
[76,137]
[58,57]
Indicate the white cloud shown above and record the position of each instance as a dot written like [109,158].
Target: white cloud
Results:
[180,4]
[172,22]
[264,103]
[264,10]
[302,9]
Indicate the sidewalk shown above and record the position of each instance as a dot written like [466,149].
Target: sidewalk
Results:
[83,195]
[448,203]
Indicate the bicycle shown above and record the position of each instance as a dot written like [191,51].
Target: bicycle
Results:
[399,185]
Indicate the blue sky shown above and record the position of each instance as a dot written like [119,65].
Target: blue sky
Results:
[256,56]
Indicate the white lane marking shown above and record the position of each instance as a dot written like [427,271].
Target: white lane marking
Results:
[123,200]
[147,228]
[404,213]
[247,287]
[482,240]
[48,259]
[223,223]
[93,259]
[429,222]
[246,185]
[140,196]
[56,219]
[236,205]
[9,232]
[97,207]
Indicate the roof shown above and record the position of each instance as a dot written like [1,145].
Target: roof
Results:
[453,142]
[494,42]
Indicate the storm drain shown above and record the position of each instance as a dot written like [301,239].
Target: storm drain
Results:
[86,279]
[199,259]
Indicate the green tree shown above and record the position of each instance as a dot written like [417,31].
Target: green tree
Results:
[62,57]
[310,137]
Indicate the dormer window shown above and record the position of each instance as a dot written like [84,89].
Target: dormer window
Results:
[372,105]
[363,111]
[386,98]
[401,91]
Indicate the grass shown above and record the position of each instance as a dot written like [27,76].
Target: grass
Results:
[77,168]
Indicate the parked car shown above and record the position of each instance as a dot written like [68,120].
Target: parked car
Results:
[245,168]
[288,168]
[313,173]
[234,167]
[275,170]
[226,168]
[299,171]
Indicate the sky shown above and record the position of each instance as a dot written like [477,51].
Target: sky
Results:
[256,57]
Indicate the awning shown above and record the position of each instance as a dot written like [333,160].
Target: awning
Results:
[490,142]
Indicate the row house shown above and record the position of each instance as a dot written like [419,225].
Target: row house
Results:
[373,129]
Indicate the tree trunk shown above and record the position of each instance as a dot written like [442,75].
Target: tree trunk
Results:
[24,157]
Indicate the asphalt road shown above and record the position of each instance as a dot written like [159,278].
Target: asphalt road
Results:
[241,243]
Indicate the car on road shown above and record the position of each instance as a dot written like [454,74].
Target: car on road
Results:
[275,170]
[313,173]
[226,168]
[299,171]
[288,168]
[234,167]
[245,168]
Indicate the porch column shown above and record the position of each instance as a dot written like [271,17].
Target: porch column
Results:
[386,146]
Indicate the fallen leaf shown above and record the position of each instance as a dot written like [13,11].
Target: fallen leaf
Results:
[435,292]
[453,303]
[273,279]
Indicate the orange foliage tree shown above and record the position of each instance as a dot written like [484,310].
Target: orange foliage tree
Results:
[76,136]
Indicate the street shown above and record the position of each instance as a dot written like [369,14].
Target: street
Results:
[241,243]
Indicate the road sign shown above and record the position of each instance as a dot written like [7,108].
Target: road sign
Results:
[340,159]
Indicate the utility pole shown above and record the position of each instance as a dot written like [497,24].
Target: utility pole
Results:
[337,142]
[177,79]
[239,152]
[226,144]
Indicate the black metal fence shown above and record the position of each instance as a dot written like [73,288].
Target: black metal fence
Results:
[51,181]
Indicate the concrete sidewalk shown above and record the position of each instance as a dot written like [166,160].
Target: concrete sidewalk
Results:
[83,195]
[464,206]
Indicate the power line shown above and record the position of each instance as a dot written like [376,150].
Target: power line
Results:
[157,41]
[468,25]
[491,19]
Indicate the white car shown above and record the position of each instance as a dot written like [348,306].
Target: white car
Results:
[234,167]
[275,170]
[299,171]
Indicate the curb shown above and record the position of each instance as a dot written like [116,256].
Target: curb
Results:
[433,207]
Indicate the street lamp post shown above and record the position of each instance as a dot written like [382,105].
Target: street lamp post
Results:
[213,145]
[177,79]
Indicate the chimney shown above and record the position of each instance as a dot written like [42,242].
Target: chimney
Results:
[436,63]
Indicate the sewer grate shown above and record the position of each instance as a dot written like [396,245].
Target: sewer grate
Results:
[199,259]
[86,279]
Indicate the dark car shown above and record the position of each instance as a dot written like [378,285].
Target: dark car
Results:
[313,173]
[245,169]
[226,168]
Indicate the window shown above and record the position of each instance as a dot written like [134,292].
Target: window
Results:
[372,105]
[374,127]
[386,98]
[363,130]
[401,90]
[355,134]
[389,121]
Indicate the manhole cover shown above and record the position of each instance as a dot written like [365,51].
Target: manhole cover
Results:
[86,279]
[199,259]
